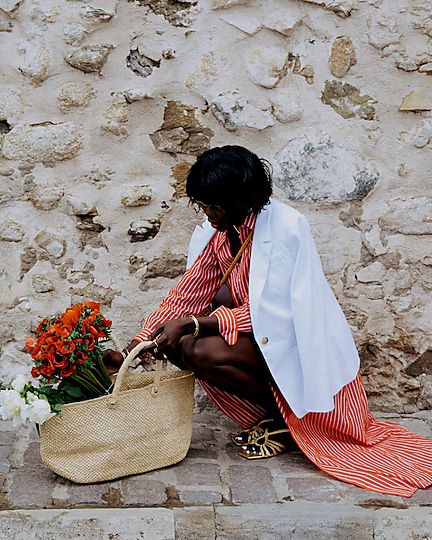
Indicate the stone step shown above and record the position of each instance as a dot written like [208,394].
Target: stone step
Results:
[297,521]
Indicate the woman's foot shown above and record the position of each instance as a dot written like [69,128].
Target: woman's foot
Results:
[273,441]
[249,435]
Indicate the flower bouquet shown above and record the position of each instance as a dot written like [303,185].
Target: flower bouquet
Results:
[67,366]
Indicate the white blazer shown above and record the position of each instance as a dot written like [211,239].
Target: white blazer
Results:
[297,321]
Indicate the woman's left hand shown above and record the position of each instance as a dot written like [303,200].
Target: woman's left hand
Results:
[169,333]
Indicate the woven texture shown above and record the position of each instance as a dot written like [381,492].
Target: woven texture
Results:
[145,425]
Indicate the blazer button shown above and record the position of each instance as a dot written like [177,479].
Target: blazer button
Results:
[264,340]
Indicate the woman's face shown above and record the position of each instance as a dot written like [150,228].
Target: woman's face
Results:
[217,216]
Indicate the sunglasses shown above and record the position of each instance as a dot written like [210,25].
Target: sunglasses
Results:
[199,206]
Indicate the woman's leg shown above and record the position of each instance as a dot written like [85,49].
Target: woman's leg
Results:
[239,369]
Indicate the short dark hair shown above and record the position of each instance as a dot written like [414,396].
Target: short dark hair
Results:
[232,177]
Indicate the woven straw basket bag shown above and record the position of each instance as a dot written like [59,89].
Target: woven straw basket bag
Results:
[145,424]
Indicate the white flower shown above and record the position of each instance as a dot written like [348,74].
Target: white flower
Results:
[12,405]
[39,411]
[19,382]
[30,397]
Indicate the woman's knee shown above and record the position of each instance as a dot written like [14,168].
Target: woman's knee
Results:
[199,355]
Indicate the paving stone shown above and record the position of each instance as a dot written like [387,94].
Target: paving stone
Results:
[202,436]
[297,464]
[139,491]
[422,497]
[4,458]
[413,524]
[92,524]
[295,521]
[198,473]
[31,488]
[101,494]
[7,437]
[251,483]
[370,499]
[313,489]
[194,523]
[197,497]
[415,425]
[32,455]
[205,453]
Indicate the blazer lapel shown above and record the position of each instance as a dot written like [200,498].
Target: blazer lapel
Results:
[259,258]
[200,238]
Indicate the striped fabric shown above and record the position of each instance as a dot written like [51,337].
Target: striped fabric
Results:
[347,443]
[200,283]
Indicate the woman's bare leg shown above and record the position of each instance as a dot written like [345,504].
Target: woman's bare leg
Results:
[239,369]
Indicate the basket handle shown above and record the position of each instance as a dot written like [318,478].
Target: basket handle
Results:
[113,398]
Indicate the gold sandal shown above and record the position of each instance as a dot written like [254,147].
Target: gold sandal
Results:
[266,446]
[248,435]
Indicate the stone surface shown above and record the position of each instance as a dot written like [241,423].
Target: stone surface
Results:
[9,5]
[342,56]
[383,31]
[42,284]
[36,61]
[143,229]
[342,8]
[267,66]
[75,95]
[46,197]
[286,108]
[181,131]
[177,13]
[347,101]
[233,111]
[315,168]
[410,216]
[42,142]
[93,524]
[89,58]
[51,243]
[223,4]
[417,100]
[10,231]
[423,133]
[169,265]
[137,196]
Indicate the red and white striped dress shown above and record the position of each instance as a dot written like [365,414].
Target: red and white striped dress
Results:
[347,442]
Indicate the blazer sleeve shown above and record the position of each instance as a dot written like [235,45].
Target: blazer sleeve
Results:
[192,294]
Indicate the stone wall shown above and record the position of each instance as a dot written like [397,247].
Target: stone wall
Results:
[104,104]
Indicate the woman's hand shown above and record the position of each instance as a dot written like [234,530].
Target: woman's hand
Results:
[112,360]
[169,333]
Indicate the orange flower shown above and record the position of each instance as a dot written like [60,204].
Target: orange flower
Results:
[64,330]
[35,372]
[80,357]
[70,370]
[65,347]
[92,305]
[30,344]
[89,342]
[71,316]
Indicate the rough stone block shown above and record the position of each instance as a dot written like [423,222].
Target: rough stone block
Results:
[198,473]
[197,497]
[194,523]
[293,521]
[94,524]
[314,489]
[251,483]
[141,491]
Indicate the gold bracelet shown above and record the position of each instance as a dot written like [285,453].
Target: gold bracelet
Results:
[197,326]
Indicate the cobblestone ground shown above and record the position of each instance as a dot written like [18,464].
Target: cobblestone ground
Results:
[213,493]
